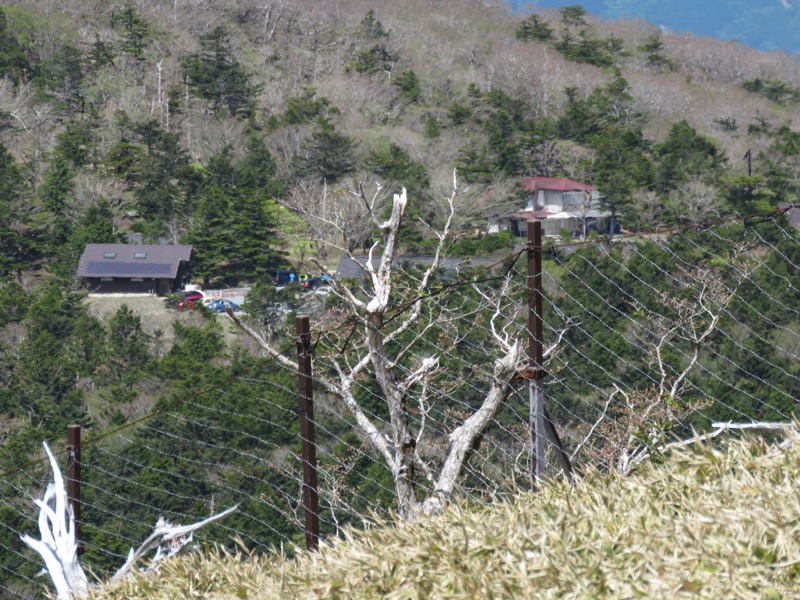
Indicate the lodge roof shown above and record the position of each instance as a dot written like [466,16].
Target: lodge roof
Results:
[159,261]
[558,184]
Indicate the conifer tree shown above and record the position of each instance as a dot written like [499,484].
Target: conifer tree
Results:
[217,76]
[17,242]
[134,30]
[329,154]
[13,63]
[534,28]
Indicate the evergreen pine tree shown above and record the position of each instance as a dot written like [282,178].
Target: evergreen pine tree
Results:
[329,154]
[57,186]
[217,76]
[135,32]
[17,240]
[534,28]
[13,63]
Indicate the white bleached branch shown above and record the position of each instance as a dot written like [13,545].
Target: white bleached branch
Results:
[719,429]
[59,545]
[168,540]
[597,422]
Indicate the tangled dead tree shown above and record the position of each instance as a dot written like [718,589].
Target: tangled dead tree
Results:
[58,545]
[388,320]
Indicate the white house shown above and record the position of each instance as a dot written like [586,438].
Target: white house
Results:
[561,205]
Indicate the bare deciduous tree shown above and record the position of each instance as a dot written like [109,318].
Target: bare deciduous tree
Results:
[694,202]
[384,330]
[684,325]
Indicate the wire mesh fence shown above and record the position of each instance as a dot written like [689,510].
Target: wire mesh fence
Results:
[646,340]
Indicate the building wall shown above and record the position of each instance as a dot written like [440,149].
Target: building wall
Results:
[552,227]
[126,286]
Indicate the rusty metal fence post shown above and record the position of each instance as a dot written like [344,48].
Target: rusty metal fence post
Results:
[74,479]
[540,423]
[307,434]
[535,353]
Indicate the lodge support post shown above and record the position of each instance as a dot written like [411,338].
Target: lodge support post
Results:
[307,434]
[74,479]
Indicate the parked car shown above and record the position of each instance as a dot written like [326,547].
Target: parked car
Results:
[172,300]
[220,305]
[284,277]
[311,283]
[189,303]
[317,281]
[281,308]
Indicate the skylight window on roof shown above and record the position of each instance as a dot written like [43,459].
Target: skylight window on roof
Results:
[140,255]
[109,255]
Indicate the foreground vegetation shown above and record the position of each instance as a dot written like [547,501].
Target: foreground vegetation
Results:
[708,523]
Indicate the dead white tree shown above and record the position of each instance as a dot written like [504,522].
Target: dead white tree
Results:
[388,323]
[273,13]
[58,545]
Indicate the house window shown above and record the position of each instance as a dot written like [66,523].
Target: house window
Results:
[109,255]
[106,279]
[136,279]
[140,255]
[553,198]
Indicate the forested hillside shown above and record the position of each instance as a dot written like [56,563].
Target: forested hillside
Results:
[229,125]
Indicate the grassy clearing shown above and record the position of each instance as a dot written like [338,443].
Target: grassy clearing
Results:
[711,523]
[151,309]
[156,317]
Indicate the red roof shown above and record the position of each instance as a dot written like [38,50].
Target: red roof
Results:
[534,184]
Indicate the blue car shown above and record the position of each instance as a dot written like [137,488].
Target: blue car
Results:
[220,305]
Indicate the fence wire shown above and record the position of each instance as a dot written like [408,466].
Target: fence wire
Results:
[649,339]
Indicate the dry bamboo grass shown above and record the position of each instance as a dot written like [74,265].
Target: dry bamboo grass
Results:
[710,523]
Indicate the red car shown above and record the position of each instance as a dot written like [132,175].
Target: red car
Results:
[188,300]
[188,304]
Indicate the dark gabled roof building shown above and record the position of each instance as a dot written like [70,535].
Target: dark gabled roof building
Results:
[134,268]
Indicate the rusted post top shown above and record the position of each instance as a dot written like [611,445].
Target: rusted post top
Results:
[535,324]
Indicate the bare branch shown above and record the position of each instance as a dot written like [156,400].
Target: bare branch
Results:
[602,416]
[176,537]
[719,429]
[463,437]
